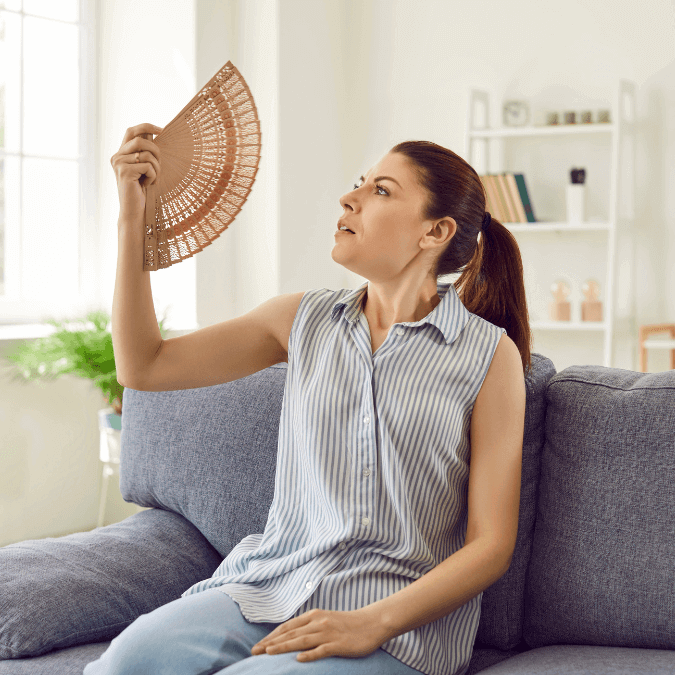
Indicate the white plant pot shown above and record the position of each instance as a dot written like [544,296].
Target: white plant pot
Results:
[110,427]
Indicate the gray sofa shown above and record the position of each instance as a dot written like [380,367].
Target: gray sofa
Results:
[590,589]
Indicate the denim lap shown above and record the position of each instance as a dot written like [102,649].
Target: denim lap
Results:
[206,634]
[377,663]
[195,635]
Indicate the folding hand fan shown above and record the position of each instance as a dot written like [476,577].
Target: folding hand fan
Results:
[210,154]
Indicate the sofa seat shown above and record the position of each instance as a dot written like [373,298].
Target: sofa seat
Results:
[551,660]
[71,661]
[587,660]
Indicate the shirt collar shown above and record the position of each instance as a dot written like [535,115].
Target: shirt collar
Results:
[449,316]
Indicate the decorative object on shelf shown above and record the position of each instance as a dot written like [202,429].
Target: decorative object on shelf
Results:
[576,196]
[210,154]
[507,197]
[516,113]
[603,116]
[591,307]
[560,307]
[552,118]
[84,352]
[645,331]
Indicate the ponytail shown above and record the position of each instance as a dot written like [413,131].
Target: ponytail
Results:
[491,283]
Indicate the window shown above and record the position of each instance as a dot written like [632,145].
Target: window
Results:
[47,185]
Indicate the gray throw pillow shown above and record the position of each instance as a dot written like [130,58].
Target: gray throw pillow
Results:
[88,587]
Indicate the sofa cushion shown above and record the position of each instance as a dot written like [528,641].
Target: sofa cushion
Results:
[603,557]
[87,587]
[501,618]
[207,453]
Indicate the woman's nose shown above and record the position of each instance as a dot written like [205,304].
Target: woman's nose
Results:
[346,201]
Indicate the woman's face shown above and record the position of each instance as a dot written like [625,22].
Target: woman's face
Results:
[391,239]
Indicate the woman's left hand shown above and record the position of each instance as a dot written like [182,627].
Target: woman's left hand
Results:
[325,633]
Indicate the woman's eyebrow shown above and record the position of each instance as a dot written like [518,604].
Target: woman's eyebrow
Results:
[393,180]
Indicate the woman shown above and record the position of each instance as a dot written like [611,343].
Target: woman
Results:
[379,540]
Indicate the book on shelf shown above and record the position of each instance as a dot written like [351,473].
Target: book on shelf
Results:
[507,197]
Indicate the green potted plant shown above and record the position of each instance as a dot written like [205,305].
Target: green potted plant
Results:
[83,352]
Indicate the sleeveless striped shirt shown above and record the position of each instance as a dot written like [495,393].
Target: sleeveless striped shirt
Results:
[371,482]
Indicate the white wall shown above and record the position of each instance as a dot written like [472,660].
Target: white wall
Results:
[146,65]
[240,269]
[337,83]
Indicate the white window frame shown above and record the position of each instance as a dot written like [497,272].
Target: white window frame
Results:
[19,318]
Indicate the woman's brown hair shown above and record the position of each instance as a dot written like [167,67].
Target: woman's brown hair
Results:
[491,283]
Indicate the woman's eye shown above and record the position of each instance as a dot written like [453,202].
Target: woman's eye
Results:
[377,187]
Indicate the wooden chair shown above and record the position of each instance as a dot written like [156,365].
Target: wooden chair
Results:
[645,344]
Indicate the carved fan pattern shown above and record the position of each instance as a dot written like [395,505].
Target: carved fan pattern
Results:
[209,159]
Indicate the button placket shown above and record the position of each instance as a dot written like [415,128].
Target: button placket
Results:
[366,489]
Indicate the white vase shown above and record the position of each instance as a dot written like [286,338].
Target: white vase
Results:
[110,427]
[576,203]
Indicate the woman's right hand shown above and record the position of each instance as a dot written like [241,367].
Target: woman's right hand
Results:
[132,176]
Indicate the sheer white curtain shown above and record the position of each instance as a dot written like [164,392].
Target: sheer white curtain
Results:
[47,201]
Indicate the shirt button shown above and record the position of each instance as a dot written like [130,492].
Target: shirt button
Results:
[308,584]
[366,472]
[366,520]
[366,420]
[399,331]
[342,546]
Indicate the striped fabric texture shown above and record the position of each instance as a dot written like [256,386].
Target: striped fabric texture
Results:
[371,483]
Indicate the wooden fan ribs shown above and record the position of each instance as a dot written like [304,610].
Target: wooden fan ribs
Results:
[210,155]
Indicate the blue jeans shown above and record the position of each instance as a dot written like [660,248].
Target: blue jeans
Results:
[206,634]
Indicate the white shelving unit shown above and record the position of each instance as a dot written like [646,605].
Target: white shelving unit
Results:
[614,226]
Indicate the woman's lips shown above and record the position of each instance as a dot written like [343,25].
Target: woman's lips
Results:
[341,224]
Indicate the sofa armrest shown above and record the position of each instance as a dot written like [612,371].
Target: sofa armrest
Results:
[87,587]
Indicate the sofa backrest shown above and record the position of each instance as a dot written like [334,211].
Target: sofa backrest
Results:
[502,606]
[603,556]
[209,454]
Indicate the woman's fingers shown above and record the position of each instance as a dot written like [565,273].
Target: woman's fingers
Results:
[145,128]
[133,176]
[145,157]
[149,172]
[139,144]
[133,144]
